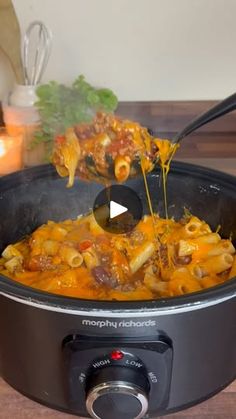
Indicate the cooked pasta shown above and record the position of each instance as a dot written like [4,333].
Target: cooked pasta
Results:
[122,168]
[74,258]
[10,252]
[90,258]
[108,148]
[70,256]
[142,254]
[50,247]
[14,264]
[211,238]
[217,264]
[225,246]
[195,228]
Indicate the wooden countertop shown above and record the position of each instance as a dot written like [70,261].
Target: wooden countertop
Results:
[214,146]
[15,406]
[221,406]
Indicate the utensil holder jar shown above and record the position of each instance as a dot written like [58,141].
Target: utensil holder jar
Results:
[25,121]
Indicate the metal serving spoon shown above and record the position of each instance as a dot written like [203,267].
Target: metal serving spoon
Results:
[225,106]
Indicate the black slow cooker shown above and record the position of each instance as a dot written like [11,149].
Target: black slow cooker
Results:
[114,360]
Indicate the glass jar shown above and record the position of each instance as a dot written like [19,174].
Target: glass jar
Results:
[25,121]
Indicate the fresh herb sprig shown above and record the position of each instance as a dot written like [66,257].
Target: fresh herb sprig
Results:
[61,106]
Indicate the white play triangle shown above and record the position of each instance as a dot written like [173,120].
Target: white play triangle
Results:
[116,209]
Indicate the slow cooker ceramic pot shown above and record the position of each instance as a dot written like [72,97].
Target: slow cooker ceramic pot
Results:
[116,359]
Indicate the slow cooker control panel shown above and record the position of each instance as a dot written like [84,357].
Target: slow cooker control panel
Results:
[112,381]
[123,384]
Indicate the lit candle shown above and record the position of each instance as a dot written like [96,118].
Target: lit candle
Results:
[10,153]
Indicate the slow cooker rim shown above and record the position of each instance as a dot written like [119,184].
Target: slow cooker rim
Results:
[43,170]
[28,295]
[15,290]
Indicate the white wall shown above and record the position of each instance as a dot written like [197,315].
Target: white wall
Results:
[143,49]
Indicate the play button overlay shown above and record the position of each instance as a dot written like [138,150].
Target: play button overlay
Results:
[117,209]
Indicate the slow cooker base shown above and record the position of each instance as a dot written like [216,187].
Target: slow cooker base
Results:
[167,412]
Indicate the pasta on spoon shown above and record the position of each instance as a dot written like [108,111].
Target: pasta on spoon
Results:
[108,149]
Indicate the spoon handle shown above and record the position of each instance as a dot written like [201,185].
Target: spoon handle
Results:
[225,106]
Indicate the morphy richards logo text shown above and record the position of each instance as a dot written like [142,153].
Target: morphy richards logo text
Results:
[118,324]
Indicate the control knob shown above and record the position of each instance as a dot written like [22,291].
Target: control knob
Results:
[117,392]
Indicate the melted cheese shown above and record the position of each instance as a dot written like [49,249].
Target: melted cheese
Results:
[43,261]
[69,152]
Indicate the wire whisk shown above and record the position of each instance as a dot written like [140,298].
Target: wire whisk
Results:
[36,50]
